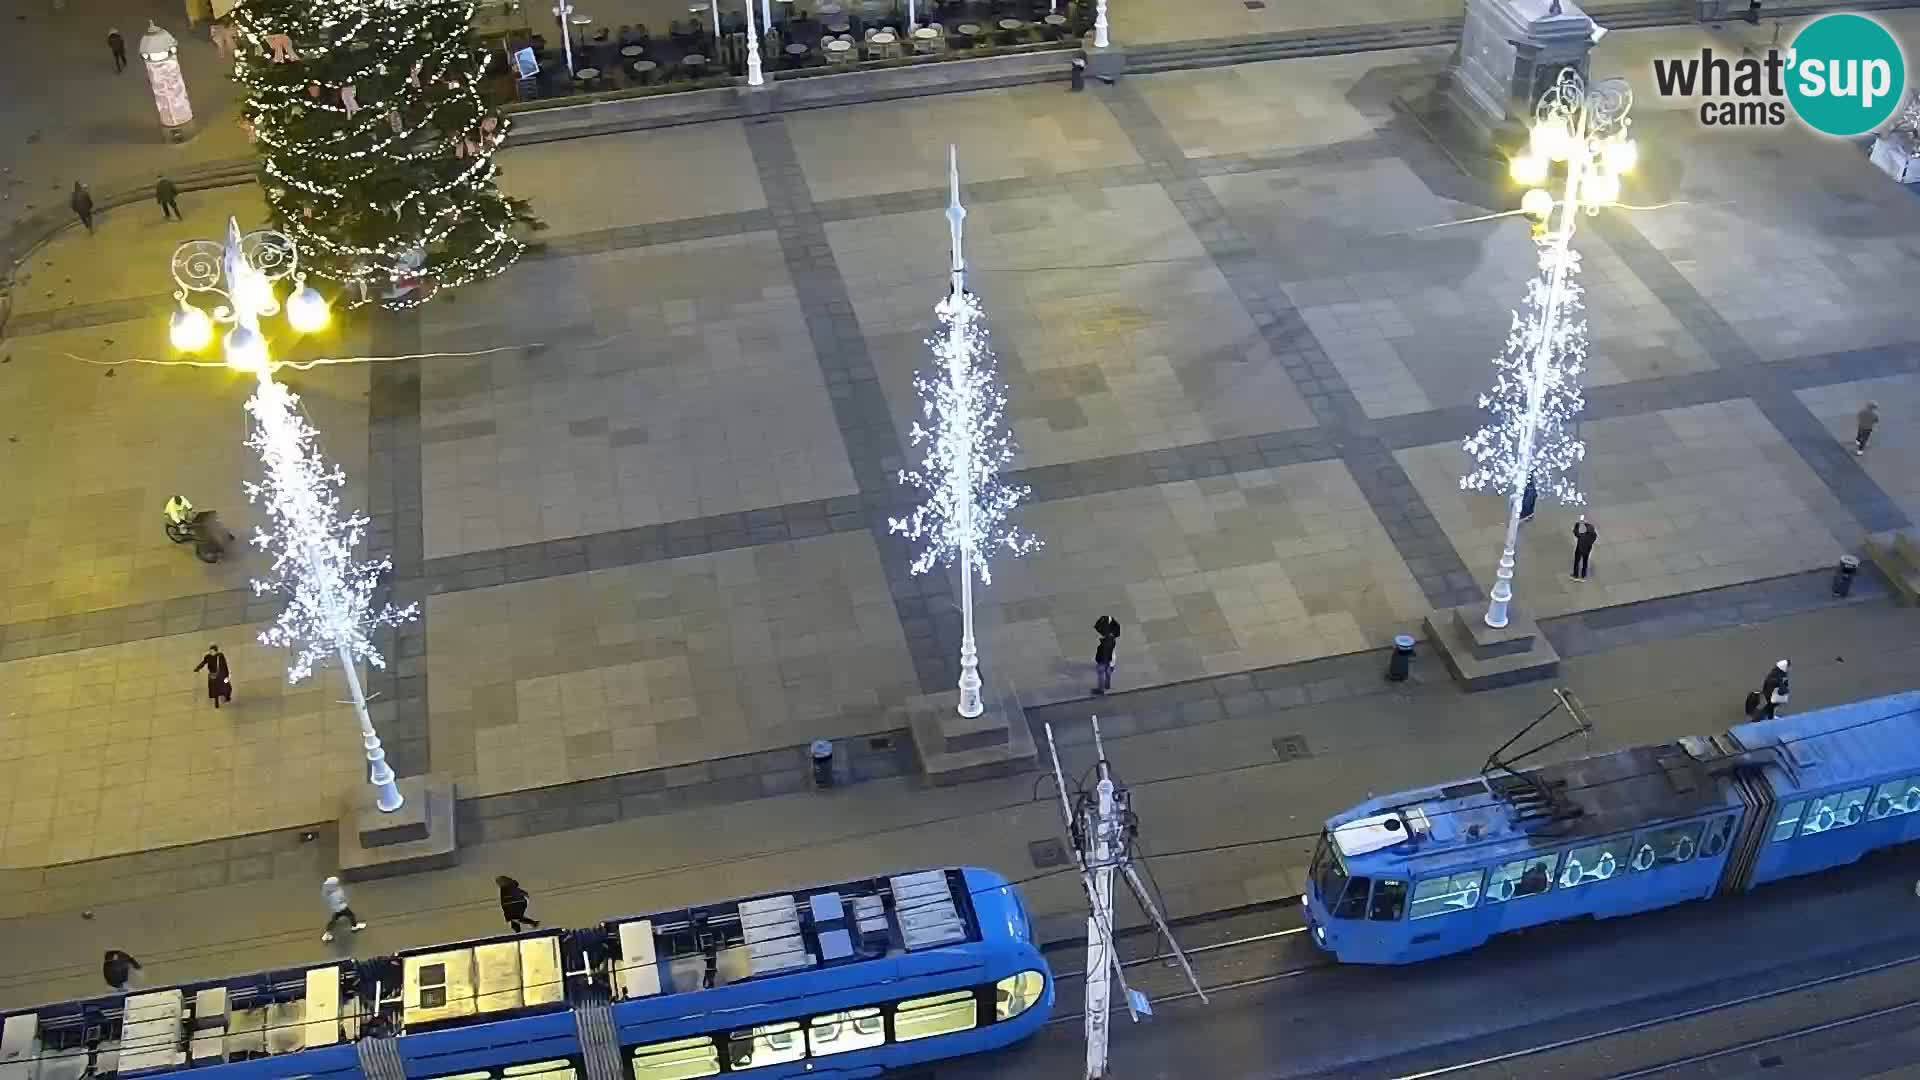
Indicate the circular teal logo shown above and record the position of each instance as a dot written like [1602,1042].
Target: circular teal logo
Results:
[1846,75]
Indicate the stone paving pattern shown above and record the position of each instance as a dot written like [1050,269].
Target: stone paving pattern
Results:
[1239,371]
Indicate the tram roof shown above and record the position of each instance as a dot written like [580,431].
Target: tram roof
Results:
[1472,822]
[1843,744]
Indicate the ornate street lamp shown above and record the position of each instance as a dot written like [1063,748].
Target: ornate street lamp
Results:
[330,614]
[1537,391]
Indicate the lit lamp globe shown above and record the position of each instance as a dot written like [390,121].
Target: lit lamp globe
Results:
[1621,156]
[1528,170]
[190,330]
[246,350]
[254,293]
[1601,189]
[1536,204]
[307,310]
[1550,140]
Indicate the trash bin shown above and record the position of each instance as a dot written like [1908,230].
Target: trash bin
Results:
[1079,74]
[822,750]
[1843,575]
[1402,658]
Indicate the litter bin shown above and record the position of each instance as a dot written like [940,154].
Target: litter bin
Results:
[1402,658]
[822,750]
[1843,575]
[1078,73]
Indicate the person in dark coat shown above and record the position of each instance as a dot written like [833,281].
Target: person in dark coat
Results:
[119,46]
[1584,537]
[82,203]
[513,903]
[219,679]
[1773,691]
[117,967]
[168,196]
[1527,498]
[1865,421]
[1108,628]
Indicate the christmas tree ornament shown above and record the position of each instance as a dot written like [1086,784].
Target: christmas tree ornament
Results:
[347,99]
[282,46]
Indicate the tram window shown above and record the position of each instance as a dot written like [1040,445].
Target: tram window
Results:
[837,1033]
[1327,873]
[1894,798]
[682,1059]
[1522,877]
[1354,904]
[1389,901]
[1788,817]
[767,1044]
[941,1014]
[1439,895]
[543,1070]
[1663,847]
[1719,832]
[1835,811]
[1596,862]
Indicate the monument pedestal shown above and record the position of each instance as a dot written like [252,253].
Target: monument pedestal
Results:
[954,749]
[1897,155]
[1482,657]
[1109,63]
[418,836]
[1511,52]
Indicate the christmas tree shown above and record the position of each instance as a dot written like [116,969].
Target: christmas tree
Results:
[377,147]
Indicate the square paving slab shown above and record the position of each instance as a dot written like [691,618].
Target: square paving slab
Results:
[1206,577]
[1684,500]
[668,663]
[674,382]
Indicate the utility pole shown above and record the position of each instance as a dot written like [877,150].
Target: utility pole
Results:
[1102,827]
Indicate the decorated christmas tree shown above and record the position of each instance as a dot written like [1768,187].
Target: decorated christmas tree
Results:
[377,147]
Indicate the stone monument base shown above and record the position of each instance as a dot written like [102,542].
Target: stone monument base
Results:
[1897,153]
[1109,63]
[418,836]
[1482,657]
[956,750]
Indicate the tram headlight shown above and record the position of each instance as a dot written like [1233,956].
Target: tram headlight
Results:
[1320,934]
[1016,994]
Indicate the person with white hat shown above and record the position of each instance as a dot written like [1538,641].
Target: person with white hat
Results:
[335,895]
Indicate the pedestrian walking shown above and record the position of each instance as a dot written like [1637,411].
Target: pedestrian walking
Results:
[119,46]
[168,196]
[513,903]
[1527,498]
[1108,628]
[1753,12]
[82,203]
[118,968]
[1773,693]
[1865,421]
[219,678]
[335,895]
[1584,537]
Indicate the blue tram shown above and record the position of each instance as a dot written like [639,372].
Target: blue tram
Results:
[1440,870]
[840,980]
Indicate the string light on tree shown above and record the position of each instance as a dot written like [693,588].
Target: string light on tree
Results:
[331,612]
[378,150]
[1536,392]
[966,443]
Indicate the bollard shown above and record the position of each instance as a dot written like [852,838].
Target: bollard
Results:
[822,750]
[1402,658]
[1079,75]
[1843,575]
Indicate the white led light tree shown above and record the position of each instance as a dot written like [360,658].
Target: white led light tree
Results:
[966,443]
[1536,392]
[330,612]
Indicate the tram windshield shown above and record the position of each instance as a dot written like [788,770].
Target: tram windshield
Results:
[1328,875]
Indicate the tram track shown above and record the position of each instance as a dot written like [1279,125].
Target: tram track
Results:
[1232,963]
[1692,1041]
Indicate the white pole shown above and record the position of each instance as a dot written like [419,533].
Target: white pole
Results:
[909,24]
[563,11]
[1099,922]
[754,75]
[1562,242]
[714,6]
[766,14]
[970,705]
[379,773]
[1100,24]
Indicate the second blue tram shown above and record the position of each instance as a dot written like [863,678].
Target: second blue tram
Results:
[1434,871]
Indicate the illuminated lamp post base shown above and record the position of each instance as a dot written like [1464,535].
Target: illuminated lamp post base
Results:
[419,836]
[1483,657]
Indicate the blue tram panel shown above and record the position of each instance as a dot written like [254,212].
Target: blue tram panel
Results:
[841,979]
[1434,871]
